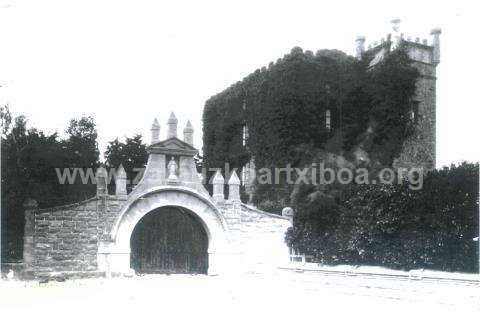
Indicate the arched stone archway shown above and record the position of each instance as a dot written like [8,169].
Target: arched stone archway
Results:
[170,240]
[114,256]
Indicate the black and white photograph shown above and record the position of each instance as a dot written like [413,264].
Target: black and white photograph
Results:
[239,166]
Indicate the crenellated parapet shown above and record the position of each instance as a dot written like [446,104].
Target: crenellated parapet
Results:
[419,50]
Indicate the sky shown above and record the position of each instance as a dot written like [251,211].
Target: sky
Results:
[126,62]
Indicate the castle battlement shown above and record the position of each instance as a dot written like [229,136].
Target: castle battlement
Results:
[419,50]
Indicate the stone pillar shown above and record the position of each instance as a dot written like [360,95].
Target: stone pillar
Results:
[188,133]
[30,206]
[218,186]
[234,188]
[359,47]
[436,45]
[287,212]
[155,130]
[112,260]
[101,179]
[121,182]
[172,126]
[249,181]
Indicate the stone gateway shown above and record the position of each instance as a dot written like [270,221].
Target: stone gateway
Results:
[169,223]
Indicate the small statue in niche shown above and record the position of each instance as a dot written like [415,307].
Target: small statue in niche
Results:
[172,169]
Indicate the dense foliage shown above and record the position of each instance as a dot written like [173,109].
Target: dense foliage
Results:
[393,225]
[131,154]
[29,162]
[285,105]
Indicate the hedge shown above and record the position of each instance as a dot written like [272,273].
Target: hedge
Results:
[393,225]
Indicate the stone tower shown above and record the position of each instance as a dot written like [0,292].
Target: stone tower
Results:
[420,149]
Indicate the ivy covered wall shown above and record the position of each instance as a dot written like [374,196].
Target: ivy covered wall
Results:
[284,107]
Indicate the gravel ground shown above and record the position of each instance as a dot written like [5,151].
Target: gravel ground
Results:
[279,302]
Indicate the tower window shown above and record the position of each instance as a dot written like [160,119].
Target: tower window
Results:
[245,135]
[244,175]
[328,120]
[414,116]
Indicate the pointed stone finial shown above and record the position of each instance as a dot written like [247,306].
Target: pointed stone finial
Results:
[218,187]
[155,130]
[101,180]
[188,133]
[234,179]
[120,181]
[234,187]
[172,126]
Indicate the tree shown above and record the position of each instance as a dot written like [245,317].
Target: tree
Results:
[82,143]
[131,154]
[29,162]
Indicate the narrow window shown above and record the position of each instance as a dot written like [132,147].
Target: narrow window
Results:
[244,175]
[245,136]
[328,120]
[414,112]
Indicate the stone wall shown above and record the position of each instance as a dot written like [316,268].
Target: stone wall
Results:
[420,149]
[65,239]
[258,237]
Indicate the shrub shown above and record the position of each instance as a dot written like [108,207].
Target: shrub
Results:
[393,225]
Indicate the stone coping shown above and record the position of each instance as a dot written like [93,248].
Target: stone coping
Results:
[382,272]
[72,205]
[273,215]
